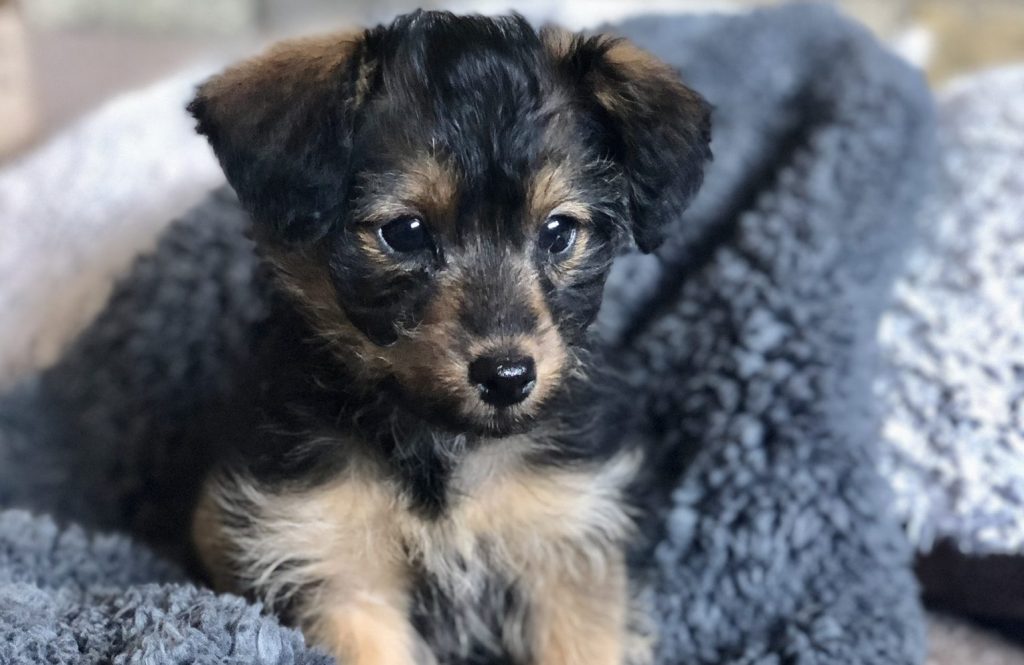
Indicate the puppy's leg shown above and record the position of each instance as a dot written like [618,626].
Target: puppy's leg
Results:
[367,628]
[361,611]
[352,582]
[579,613]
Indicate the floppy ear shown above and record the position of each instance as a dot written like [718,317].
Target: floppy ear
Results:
[281,126]
[660,129]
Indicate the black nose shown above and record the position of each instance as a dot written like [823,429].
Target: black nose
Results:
[503,381]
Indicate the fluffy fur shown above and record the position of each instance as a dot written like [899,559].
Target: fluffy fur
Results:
[428,195]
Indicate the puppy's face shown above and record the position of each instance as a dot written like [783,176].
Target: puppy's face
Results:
[444,196]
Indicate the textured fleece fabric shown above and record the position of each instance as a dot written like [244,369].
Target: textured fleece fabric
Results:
[749,338]
[120,175]
[953,339]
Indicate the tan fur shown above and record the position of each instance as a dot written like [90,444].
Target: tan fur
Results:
[636,62]
[637,70]
[367,629]
[426,188]
[304,275]
[551,192]
[308,61]
[581,615]
[558,41]
[356,540]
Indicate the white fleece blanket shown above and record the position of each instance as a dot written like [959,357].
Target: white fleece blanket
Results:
[954,335]
[74,213]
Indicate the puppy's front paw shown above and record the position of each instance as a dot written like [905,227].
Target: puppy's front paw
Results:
[368,631]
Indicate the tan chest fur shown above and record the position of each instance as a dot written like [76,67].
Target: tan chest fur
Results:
[340,532]
[344,554]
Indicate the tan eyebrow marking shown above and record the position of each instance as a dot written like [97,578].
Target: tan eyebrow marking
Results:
[422,186]
[551,192]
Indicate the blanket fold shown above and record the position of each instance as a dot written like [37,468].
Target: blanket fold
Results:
[754,359]
[748,338]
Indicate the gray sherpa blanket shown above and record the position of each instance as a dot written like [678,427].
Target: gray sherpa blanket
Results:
[749,339]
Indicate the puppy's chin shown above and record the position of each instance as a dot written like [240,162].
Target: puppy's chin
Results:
[485,422]
[453,415]
[503,424]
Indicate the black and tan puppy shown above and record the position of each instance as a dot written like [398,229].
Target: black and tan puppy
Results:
[429,469]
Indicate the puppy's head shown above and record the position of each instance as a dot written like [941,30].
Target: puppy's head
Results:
[444,195]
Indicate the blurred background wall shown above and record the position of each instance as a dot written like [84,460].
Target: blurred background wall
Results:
[60,58]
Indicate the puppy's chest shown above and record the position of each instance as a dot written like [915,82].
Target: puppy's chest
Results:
[468,574]
[461,567]
[501,519]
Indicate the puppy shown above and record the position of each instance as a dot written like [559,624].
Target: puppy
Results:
[431,468]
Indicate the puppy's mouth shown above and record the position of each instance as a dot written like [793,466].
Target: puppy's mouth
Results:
[503,422]
[483,419]
[469,413]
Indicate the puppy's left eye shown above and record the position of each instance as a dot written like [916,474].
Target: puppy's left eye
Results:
[557,234]
[405,235]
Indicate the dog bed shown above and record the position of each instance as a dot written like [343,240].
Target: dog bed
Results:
[749,339]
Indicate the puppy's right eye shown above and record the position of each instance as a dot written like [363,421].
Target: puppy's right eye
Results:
[557,234]
[405,235]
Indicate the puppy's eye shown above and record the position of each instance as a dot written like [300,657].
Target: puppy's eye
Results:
[557,234]
[405,235]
